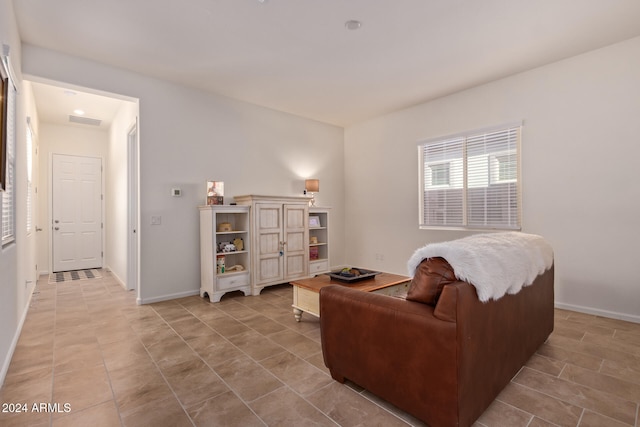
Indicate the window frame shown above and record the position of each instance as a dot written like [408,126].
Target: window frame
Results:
[493,177]
[8,158]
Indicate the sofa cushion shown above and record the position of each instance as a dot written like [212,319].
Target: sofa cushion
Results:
[431,275]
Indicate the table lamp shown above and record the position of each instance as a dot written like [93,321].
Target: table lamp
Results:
[312,186]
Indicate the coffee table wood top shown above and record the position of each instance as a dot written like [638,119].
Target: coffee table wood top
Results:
[379,281]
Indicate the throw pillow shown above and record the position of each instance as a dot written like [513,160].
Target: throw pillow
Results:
[428,280]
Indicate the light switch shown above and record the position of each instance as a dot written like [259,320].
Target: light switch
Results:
[176,192]
[156,220]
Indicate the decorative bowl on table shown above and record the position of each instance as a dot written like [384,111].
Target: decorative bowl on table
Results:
[352,274]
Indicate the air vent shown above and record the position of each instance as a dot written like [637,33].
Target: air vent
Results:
[84,120]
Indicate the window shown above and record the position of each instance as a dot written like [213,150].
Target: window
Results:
[507,168]
[8,157]
[471,180]
[439,174]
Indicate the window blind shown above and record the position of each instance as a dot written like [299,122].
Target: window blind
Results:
[472,180]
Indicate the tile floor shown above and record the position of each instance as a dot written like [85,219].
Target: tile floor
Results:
[246,362]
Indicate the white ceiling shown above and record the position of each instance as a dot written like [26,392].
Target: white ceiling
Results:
[297,56]
[56,104]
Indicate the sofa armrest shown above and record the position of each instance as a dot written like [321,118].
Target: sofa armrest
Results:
[496,338]
[396,349]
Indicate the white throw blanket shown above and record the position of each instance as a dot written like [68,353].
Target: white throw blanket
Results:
[495,263]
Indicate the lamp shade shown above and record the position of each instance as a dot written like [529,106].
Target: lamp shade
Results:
[312,185]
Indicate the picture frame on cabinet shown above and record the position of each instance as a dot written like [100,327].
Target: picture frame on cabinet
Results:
[215,192]
[314,221]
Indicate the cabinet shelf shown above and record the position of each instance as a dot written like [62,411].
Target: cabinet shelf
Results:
[214,284]
[231,253]
[319,241]
[231,273]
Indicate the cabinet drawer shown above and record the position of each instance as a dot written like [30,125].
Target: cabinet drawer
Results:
[316,267]
[230,282]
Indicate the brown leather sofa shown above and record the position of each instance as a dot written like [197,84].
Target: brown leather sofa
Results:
[441,354]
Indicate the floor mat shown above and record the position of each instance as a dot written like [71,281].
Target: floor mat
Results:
[70,276]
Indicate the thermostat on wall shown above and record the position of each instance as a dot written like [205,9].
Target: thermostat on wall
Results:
[176,192]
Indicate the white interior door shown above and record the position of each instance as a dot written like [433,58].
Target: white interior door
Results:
[77,212]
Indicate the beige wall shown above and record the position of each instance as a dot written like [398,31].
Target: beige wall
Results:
[116,194]
[579,166]
[16,259]
[187,137]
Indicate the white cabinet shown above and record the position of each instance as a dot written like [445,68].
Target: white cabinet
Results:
[224,236]
[318,241]
[280,230]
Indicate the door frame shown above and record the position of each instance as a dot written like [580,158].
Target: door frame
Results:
[32,236]
[50,224]
[133,217]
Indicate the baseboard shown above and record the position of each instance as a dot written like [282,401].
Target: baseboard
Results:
[118,279]
[151,300]
[16,337]
[598,312]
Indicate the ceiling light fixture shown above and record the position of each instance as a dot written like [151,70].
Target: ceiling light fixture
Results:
[352,24]
[78,112]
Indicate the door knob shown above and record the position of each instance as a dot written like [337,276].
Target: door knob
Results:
[56,228]
[56,221]
[38,228]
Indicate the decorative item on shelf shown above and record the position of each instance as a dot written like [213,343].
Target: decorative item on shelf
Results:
[314,221]
[239,243]
[224,226]
[215,193]
[220,264]
[312,186]
[313,240]
[226,247]
[313,253]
